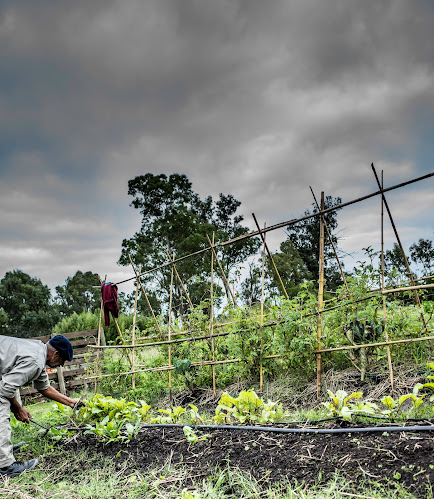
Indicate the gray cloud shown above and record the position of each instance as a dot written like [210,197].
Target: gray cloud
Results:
[259,99]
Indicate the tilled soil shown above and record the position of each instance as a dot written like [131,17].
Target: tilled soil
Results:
[405,458]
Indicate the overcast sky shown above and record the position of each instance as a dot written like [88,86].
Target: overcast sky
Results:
[259,99]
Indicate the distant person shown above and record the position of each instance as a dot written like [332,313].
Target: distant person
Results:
[23,361]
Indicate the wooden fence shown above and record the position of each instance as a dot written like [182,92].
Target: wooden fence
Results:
[73,373]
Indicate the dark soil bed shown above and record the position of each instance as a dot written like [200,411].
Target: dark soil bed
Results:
[397,457]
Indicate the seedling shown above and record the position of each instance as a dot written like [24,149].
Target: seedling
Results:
[192,436]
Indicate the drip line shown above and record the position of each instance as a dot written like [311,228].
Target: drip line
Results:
[370,429]
[271,429]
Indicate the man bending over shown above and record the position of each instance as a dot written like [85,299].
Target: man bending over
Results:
[23,361]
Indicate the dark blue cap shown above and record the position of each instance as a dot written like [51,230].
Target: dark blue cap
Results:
[62,345]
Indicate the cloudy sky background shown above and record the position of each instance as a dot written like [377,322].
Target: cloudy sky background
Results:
[253,98]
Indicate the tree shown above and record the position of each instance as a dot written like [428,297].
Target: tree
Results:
[177,220]
[79,294]
[422,254]
[27,304]
[292,270]
[394,264]
[251,290]
[305,239]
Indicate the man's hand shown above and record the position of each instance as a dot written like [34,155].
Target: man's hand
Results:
[21,414]
[78,404]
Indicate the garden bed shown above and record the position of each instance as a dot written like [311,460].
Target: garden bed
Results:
[401,458]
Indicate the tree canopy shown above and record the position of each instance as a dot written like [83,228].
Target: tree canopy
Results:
[176,220]
[78,294]
[28,308]
[422,253]
[304,237]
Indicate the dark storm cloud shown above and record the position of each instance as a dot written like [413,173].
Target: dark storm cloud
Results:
[259,99]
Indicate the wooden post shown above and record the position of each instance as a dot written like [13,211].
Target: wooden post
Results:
[60,377]
[271,259]
[169,334]
[61,380]
[320,299]
[133,334]
[101,330]
[386,334]
[211,326]
[410,275]
[222,272]
[261,366]
[99,342]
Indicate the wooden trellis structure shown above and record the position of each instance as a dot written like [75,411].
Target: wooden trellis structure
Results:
[321,310]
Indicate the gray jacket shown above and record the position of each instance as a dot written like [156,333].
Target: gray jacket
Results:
[22,361]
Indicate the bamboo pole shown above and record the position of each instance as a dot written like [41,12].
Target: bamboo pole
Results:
[346,347]
[320,300]
[379,290]
[169,332]
[410,275]
[407,288]
[404,282]
[214,390]
[123,341]
[221,271]
[138,274]
[193,364]
[180,281]
[261,365]
[386,333]
[268,324]
[331,242]
[379,344]
[133,334]
[284,224]
[99,340]
[271,258]
[183,340]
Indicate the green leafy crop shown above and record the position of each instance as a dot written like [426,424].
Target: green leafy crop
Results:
[247,407]
[341,404]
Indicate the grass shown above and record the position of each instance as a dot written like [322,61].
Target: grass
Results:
[104,481]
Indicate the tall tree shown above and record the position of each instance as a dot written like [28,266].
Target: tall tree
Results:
[28,305]
[176,219]
[78,294]
[305,239]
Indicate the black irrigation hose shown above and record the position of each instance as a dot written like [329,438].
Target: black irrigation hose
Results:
[290,430]
[297,430]
[373,416]
[309,421]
